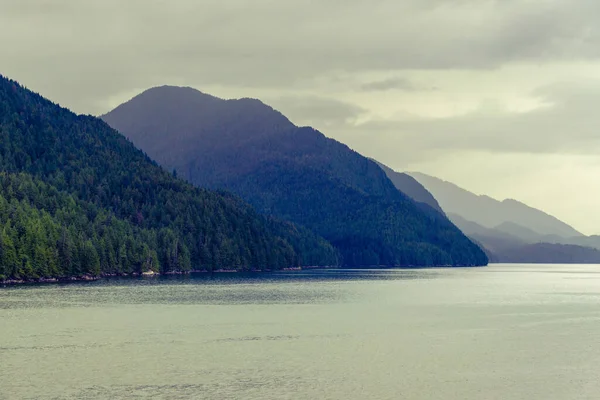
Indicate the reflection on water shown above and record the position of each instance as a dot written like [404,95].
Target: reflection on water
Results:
[502,332]
[202,288]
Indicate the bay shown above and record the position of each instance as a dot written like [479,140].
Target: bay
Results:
[499,332]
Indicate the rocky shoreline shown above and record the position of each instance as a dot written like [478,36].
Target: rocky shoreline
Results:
[147,274]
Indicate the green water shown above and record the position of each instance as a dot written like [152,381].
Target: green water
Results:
[501,332]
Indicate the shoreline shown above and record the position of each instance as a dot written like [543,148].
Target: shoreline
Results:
[147,274]
[152,274]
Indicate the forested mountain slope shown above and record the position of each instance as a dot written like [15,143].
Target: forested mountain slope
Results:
[96,174]
[294,173]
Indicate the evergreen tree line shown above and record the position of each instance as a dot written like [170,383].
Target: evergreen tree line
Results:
[45,233]
[84,186]
[386,229]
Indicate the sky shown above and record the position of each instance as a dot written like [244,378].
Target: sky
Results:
[498,97]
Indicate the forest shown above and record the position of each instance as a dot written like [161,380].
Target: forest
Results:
[294,173]
[78,198]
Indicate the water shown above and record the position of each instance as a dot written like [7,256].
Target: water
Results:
[501,332]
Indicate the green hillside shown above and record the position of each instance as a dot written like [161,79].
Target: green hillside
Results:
[101,193]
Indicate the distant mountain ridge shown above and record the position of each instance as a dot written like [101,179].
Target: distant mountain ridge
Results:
[525,234]
[491,213]
[295,173]
[548,253]
[411,187]
[501,227]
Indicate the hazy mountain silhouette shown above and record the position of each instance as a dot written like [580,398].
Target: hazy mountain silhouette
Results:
[512,243]
[492,213]
[588,241]
[525,234]
[510,231]
[472,229]
[546,253]
[411,187]
[295,173]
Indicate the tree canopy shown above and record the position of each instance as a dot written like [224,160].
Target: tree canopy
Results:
[78,198]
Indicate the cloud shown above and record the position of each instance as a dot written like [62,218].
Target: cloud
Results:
[317,111]
[91,49]
[568,123]
[394,84]
[360,71]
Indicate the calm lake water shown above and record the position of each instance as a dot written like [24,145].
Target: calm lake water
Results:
[501,332]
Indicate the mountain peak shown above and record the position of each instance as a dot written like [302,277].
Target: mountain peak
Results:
[191,120]
[294,173]
[136,205]
[173,89]
[182,100]
[513,201]
[158,96]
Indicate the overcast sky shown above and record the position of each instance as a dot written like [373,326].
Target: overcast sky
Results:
[500,97]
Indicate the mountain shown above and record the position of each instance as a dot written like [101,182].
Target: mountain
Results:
[546,253]
[587,241]
[472,229]
[509,231]
[512,243]
[411,187]
[525,234]
[295,173]
[491,213]
[78,198]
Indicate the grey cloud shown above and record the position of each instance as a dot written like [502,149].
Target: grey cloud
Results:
[98,47]
[569,125]
[82,53]
[317,111]
[394,84]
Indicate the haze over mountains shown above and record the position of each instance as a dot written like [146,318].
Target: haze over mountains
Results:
[295,173]
[509,230]
[411,187]
[491,213]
